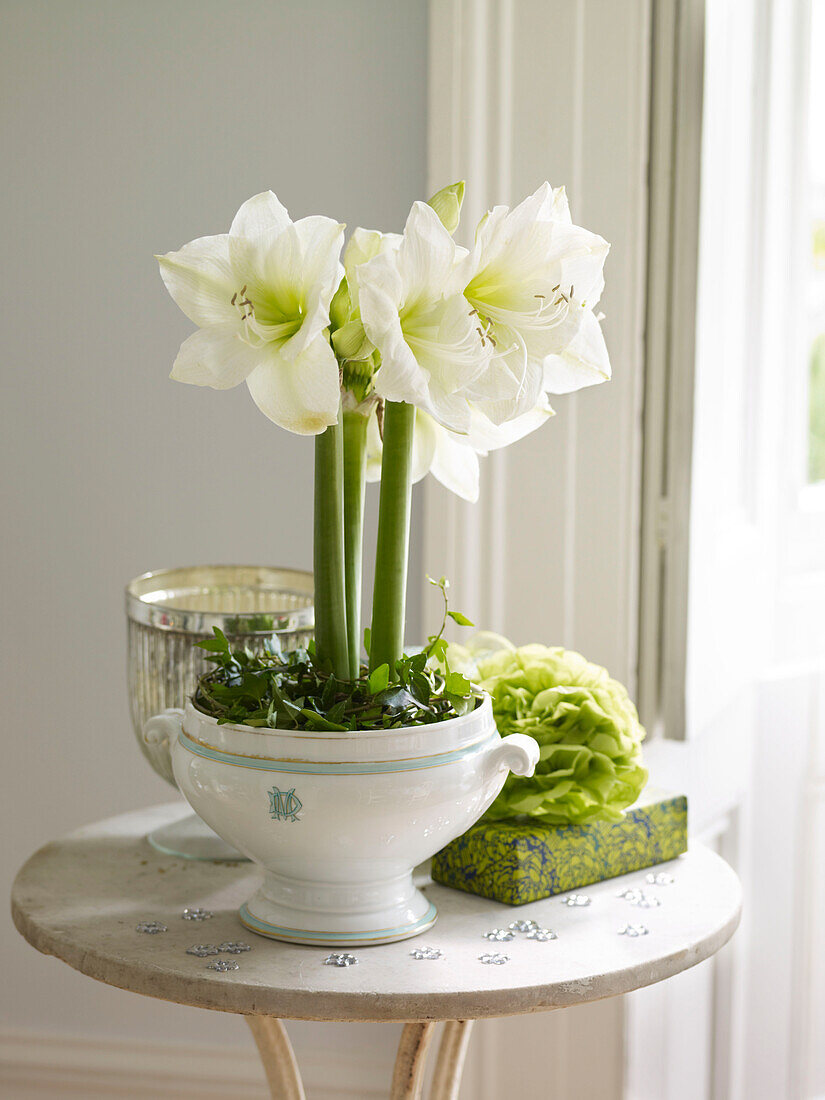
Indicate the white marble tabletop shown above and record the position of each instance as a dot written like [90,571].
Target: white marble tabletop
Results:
[81,897]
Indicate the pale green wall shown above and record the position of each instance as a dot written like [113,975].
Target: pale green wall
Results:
[127,128]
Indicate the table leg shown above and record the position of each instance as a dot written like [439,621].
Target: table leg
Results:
[408,1075]
[450,1061]
[275,1049]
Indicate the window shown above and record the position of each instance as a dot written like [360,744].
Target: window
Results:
[816,229]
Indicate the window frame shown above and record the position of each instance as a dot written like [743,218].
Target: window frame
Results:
[802,552]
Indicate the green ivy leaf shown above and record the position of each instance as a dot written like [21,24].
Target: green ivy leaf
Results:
[457,684]
[418,662]
[379,679]
[218,644]
[420,687]
[396,699]
[317,721]
[461,704]
[292,690]
[462,620]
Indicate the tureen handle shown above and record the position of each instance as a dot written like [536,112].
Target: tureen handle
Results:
[159,734]
[517,753]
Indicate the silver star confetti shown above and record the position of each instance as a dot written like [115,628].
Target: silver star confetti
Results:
[646,901]
[542,934]
[222,965]
[661,878]
[340,958]
[639,898]
[151,927]
[501,935]
[427,953]
[630,893]
[494,959]
[633,930]
[202,950]
[196,914]
[234,948]
[576,901]
[522,926]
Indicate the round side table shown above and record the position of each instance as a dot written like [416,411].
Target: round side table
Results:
[82,899]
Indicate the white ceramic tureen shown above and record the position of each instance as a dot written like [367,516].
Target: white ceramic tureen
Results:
[338,821]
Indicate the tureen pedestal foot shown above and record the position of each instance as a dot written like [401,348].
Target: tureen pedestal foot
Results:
[336,914]
[191,838]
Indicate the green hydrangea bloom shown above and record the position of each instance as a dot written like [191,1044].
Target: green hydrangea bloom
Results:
[587,728]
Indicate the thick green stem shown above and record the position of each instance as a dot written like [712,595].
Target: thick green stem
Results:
[355,476]
[387,636]
[330,605]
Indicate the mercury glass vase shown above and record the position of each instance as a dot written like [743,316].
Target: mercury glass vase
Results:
[167,611]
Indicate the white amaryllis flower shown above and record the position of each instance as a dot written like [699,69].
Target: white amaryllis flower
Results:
[451,458]
[533,279]
[260,295]
[349,338]
[414,313]
[364,245]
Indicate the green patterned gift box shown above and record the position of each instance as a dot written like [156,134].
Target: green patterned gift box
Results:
[515,862]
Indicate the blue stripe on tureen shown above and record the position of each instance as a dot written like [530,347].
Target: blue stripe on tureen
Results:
[265,928]
[351,768]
